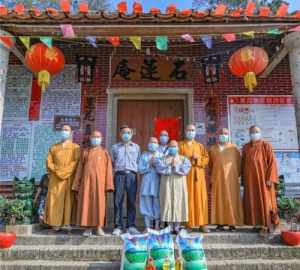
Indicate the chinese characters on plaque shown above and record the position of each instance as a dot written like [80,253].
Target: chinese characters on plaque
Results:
[150,69]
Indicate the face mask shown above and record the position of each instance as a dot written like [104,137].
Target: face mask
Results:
[126,137]
[65,134]
[255,136]
[173,150]
[190,135]
[152,147]
[96,141]
[164,139]
[224,138]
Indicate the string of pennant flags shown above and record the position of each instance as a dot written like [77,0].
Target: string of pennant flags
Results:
[161,42]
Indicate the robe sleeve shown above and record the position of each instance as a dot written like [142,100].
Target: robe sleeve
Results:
[143,164]
[210,162]
[203,161]
[183,168]
[66,171]
[271,168]
[109,174]
[238,160]
[78,174]
[50,163]
[243,161]
[162,167]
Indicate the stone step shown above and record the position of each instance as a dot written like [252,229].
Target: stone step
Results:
[255,264]
[76,239]
[113,252]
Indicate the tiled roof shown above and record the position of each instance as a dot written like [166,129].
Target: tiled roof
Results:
[55,16]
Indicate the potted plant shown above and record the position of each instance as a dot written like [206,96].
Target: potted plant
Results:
[6,239]
[17,213]
[290,209]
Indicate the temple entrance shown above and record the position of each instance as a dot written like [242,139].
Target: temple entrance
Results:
[141,115]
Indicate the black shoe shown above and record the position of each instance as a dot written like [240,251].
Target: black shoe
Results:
[220,228]
[232,228]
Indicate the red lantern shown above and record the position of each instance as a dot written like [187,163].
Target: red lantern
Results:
[45,61]
[248,62]
[7,239]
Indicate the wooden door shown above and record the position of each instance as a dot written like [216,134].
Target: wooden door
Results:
[140,115]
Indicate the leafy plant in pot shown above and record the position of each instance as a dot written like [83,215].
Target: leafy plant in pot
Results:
[17,213]
[6,239]
[290,209]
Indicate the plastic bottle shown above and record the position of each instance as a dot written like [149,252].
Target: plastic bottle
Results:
[166,264]
[178,264]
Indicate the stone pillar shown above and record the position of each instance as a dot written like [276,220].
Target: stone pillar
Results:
[4,57]
[292,43]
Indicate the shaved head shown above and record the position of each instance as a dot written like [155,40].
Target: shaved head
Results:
[254,129]
[66,127]
[190,127]
[164,132]
[224,131]
[96,134]
[153,140]
[173,143]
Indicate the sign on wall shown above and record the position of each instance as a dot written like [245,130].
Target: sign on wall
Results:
[275,115]
[24,144]
[289,168]
[149,69]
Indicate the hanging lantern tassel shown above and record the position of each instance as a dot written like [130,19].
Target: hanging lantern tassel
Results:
[44,79]
[250,81]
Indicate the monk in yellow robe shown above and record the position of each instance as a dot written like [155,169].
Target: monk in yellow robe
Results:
[197,191]
[94,177]
[61,165]
[260,175]
[225,168]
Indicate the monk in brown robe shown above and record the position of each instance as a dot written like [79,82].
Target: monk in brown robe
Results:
[93,179]
[196,184]
[259,172]
[225,168]
[61,165]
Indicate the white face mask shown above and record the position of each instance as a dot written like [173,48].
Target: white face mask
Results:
[255,136]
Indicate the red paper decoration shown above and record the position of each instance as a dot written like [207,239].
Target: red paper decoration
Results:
[282,10]
[247,62]
[171,9]
[36,11]
[171,125]
[65,5]
[250,8]
[186,12]
[154,11]
[83,7]
[122,7]
[264,11]
[19,8]
[236,12]
[7,240]
[52,11]
[115,41]
[7,41]
[137,8]
[35,102]
[220,10]
[3,11]
[44,61]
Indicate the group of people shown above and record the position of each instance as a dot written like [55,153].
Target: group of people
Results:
[170,178]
